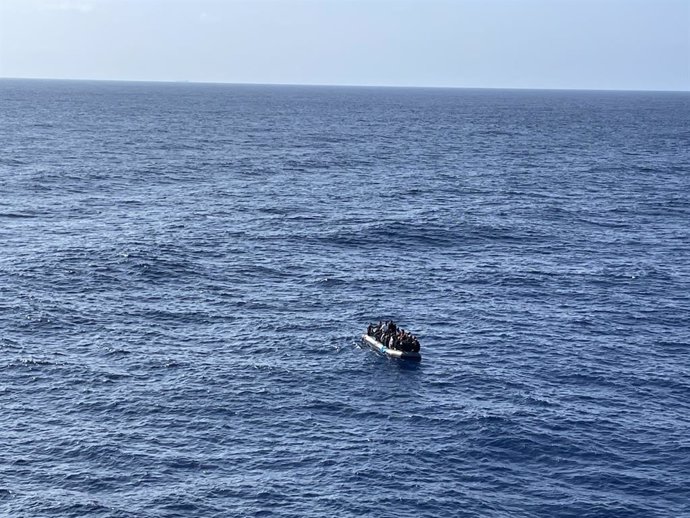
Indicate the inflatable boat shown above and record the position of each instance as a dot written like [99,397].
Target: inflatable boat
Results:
[393,353]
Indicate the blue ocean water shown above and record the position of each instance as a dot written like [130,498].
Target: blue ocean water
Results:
[186,269]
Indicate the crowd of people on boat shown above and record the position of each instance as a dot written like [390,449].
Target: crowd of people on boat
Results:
[393,336]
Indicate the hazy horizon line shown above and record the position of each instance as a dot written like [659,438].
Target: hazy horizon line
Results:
[336,85]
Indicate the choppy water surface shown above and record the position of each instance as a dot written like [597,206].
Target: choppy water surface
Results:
[185,271]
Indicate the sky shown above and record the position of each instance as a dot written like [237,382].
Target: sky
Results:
[571,44]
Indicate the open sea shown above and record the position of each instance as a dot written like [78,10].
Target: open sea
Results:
[186,271]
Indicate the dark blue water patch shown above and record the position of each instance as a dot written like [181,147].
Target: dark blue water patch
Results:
[187,269]
[17,215]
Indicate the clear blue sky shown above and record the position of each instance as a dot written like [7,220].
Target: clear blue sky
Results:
[599,44]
